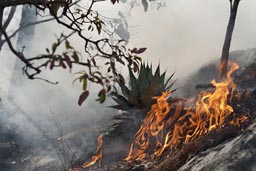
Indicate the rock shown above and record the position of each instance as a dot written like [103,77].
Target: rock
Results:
[235,155]
[208,72]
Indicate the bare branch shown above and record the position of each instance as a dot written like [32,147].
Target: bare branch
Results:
[78,21]
[28,25]
[10,16]
[20,56]
[8,3]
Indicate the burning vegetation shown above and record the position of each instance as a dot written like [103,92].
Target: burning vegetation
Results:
[174,126]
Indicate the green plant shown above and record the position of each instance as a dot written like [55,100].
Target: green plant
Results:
[141,89]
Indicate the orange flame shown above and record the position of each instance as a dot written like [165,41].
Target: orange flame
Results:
[211,111]
[151,127]
[238,121]
[98,155]
[167,126]
[212,108]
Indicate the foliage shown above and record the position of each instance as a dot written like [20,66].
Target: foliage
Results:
[142,89]
[93,29]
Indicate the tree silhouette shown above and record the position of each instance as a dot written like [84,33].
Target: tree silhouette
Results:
[223,67]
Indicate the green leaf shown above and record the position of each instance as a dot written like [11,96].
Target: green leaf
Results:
[75,57]
[102,96]
[54,47]
[84,84]
[67,44]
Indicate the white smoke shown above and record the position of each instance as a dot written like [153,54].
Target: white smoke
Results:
[181,37]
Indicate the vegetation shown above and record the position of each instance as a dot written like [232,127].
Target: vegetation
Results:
[80,21]
[101,39]
[142,89]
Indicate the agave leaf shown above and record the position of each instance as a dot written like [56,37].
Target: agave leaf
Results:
[170,86]
[141,75]
[121,100]
[143,80]
[123,116]
[125,90]
[168,80]
[156,84]
[134,100]
[142,88]
[120,107]
[157,72]
[162,79]
[150,72]
[133,83]
[147,96]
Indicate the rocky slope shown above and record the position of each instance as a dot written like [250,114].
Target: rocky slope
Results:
[237,154]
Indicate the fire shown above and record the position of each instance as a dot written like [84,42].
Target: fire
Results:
[98,155]
[212,108]
[237,121]
[211,112]
[151,127]
[168,126]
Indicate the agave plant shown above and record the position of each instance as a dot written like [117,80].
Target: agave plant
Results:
[134,102]
[141,90]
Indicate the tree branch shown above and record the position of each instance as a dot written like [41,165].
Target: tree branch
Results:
[8,3]
[10,16]
[20,56]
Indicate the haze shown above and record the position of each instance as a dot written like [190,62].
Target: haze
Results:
[181,36]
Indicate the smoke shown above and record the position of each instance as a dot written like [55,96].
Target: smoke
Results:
[186,34]
[41,113]
[181,37]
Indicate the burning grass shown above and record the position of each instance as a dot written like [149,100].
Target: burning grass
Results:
[182,129]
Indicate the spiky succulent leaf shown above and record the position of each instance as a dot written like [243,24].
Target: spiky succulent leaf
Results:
[144,87]
[162,79]
[135,101]
[133,83]
[120,107]
[168,80]
[121,100]
[147,95]
[125,90]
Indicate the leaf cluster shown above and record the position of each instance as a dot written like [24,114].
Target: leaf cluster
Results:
[142,89]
